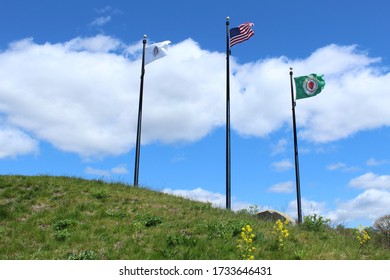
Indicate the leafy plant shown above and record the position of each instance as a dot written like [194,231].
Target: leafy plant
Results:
[315,222]
[280,232]
[61,229]
[182,239]
[84,255]
[362,236]
[116,213]
[223,229]
[148,220]
[61,235]
[63,224]
[245,243]
[100,193]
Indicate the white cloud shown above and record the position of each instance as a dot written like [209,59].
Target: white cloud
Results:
[336,166]
[371,181]
[282,165]
[96,171]
[14,142]
[96,44]
[367,206]
[104,10]
[199,194]
[82,95]
[341,166]
[279,147]
[216,199]
[76,100]
[375,162]
[284,187]
[308,207]
[371,204]
[120,169]
[339,112]
[101,21]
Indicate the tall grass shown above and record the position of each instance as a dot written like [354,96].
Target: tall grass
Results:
[45,217]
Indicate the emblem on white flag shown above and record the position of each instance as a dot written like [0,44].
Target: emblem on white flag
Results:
[156,51]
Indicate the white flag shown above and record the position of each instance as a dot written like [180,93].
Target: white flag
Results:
[156,51]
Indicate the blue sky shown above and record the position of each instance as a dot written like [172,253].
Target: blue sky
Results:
[69,86]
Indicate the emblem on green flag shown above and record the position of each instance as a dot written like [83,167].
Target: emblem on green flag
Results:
[308,86]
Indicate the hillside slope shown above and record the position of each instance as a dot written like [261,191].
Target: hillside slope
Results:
[43,217]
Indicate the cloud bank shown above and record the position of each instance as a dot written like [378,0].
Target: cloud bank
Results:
[82,95]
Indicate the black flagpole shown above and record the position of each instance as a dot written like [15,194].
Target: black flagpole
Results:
[228,168]
[297,180]
[138,142]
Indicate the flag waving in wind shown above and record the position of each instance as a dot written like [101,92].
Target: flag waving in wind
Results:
[156,51]
[149,54]
[233,36]
[241,33]
[308,86]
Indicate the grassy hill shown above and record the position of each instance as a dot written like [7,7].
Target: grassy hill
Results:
[45,217]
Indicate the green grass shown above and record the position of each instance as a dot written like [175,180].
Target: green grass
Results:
[45,217]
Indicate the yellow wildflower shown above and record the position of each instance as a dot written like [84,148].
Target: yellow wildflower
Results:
[280,232]
[245,243]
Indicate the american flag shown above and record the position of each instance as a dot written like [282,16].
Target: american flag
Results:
[241,33]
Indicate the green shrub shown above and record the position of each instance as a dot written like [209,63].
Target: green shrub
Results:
[147,220]
[315,223]
[61,229]
[100,193]
[61,235]
[182,239]
[63,224]
[116,213]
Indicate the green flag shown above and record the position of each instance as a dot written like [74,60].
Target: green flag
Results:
[308,86]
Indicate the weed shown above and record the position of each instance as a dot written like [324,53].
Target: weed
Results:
[280,232]
[362,236]
[116,213]
[100,193]
[61,229]
[63,224]
[84,255]
[153,221]
[315,222]
[223,229]
[137,225]
[148,220]
[61,235]
[245,243]
[183,239]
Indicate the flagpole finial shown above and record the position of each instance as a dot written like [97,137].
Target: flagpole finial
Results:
[227,18]
[145,36]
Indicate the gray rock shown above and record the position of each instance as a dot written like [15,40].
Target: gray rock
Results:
[273,215]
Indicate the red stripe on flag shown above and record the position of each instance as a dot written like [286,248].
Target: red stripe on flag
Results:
[245,33]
